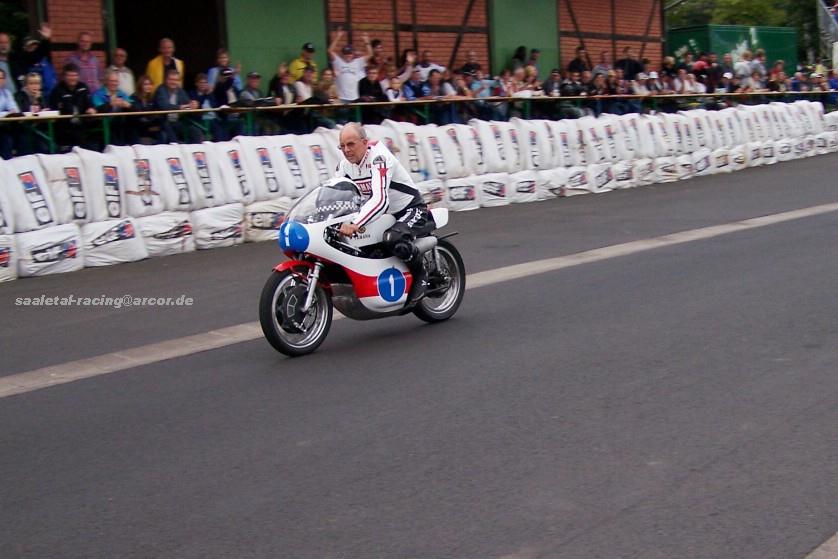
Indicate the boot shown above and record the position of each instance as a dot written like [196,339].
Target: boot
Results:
[420,280]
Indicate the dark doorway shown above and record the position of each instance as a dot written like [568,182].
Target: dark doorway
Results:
[197,28]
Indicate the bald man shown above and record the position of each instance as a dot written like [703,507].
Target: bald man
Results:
[387,189]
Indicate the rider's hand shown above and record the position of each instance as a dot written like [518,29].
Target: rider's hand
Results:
[348,229]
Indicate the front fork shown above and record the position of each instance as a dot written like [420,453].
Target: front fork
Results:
[313,277]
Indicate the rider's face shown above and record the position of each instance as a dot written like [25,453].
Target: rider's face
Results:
[352,146]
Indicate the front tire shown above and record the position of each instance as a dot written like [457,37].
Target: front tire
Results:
[441,302]
[293,336]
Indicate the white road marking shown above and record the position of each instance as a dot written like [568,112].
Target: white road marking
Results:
[63,373]
[827,550]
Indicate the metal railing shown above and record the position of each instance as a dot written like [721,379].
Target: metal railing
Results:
[46,127]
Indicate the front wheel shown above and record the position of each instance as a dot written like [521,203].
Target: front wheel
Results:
[447,279]
[288,329]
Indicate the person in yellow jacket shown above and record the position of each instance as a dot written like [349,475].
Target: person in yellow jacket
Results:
[160,64]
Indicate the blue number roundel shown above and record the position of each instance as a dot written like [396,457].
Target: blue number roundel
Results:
[391,285]
[293,236]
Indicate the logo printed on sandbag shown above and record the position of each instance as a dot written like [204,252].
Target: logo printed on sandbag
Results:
[144,190]
[525,187]
[200,159]
[624,173]
[232,232]
[603,177]
[55,251]
[582,159]
[233,154]
[494,188]
[74,189]
[181,230]
[578,179]
[552,138]
[565,145]
[702,164]
[112,196]
[5,257]
[121,231]
[412,152]
[478,146]
[35,197]
[319,162]
[439,161]
[513,135]
[433,195]
[498,141]
[535,155]
[267,169]
[461,193]
[453,135]
[722,160]
[294,166]
[176,170]
[266,221]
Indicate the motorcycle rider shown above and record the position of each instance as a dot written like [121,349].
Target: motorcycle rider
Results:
[387,188]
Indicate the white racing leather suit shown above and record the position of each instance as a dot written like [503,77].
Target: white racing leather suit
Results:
[388,189]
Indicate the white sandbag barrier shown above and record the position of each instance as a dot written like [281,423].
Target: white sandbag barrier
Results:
[8,257]
[166,233]
[61,212]
[112,242]
[50,251]
[263,219]
[221,226]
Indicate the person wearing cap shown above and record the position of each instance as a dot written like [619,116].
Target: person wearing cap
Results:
[305,60]
[224,89]
[35,57]
[223,63]
[349,69]
[253,87]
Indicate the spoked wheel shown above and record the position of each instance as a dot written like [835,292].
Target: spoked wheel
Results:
[447,284]
[288,329]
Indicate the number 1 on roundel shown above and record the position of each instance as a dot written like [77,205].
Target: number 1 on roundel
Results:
[392,281]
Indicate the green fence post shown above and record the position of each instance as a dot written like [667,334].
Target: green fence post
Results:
[106,130]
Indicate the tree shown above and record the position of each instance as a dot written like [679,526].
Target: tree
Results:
[769,13]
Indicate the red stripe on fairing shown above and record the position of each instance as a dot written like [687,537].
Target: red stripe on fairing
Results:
[367,286]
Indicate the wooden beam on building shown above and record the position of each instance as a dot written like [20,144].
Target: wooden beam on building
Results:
[459,38]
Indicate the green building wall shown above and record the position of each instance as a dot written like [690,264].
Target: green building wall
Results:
[267,32]
[531,23]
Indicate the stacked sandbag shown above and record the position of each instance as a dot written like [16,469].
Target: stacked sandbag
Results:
[407,139]
[466,141]
[52,250]
[68,186]
[218,224]
[141,181]
[8,248]
[464,194]
[263,219]
[440,152]
[523,186]
[433,193]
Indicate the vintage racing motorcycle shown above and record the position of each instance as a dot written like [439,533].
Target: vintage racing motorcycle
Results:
[353,275]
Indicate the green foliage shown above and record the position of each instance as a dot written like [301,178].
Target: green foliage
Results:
[799,14]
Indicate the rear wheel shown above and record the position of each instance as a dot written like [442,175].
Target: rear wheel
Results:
[286,327]
[447,284]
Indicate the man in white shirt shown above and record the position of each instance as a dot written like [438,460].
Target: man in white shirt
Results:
[126,76]
[348,68]
[426,66]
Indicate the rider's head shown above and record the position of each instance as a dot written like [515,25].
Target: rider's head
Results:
[353,142]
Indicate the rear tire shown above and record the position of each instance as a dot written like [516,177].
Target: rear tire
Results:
[285,336]
[439,306]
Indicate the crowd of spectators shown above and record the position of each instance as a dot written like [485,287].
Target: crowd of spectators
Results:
[28,84]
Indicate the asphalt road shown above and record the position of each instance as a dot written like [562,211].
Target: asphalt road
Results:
[679,402]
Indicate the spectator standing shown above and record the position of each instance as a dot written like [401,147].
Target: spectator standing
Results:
[171,97]
[158,67]
[369,88]
[35,57]
[305,60]
[222,62]
[348,68]
[7,105]
[668,67]
[579,64]
[629,64]
[91,69]
[742,69]
[727,64]
[471,64]
[713,73]
[407,63]
[686,63]
[604,65]
[426,66]
[253,89]
[535,55]
[5,62]
[758,64]
[126,76]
